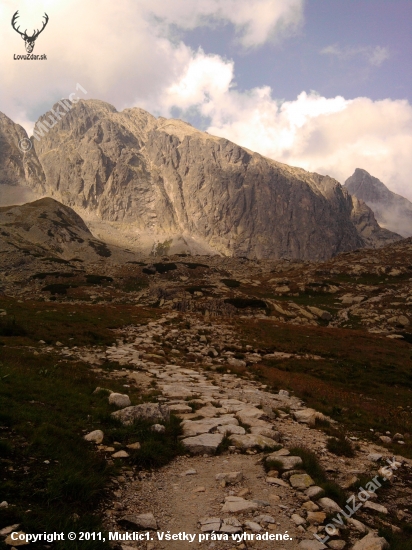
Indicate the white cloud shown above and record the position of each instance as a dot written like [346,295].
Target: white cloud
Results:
[374,55]
[325,135]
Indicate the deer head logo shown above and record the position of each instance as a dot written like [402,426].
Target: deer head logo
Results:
[29,40]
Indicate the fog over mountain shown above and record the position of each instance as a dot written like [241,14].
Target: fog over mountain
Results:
[391,210]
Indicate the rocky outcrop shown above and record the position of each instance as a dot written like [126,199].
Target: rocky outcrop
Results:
[18,167]
[166,180]
[391,210]
[46,228]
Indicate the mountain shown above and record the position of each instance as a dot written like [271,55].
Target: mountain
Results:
[164,184]
[391,210]
[46,229]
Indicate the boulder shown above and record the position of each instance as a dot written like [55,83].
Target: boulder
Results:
[95,437]
[371,542]
[119,400]
[285,462]
[203,443]
[329,505]
[152,412]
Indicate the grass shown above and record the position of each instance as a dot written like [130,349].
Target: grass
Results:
[340,446]
[242,303]
[363,380]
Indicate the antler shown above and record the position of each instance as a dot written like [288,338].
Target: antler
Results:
[36,34]
[13,22]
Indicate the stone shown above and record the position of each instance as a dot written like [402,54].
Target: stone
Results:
[285,462]
[229,429]
[329,505]
[134,446]
[11,542]
[308,416]
[262,430]
[142,521]
[316,517]
[337,544]
[253,526]
[158,428]
[119,400]
[180,408]
[95,437]
[196,427]
[376,507]
[358,526]
[311,544]
[310,506]
[374,457]
[230,477]
[153,412]
[250,441]
[276,481]
[298,520]
[120,454]
[7,530]
[314,492]
[203,443]
[320,313]
[240,505]
[301,481]
[248,412]
[4,504]
[265,519]
[385,439]
[236,362]
[371,542]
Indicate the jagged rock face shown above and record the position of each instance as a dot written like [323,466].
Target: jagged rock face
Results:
[391,210]
[166,177]
[16,167]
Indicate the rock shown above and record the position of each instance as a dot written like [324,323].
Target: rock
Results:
[4,504]
[316,517]
[329,505]
[230,529]
[153,412]
[230,477]
[314,492]
[301,481]
[311,544]
[180,408]
[276,481]
[337,544]
[374,457]
[7,530]
[377,507]
[120,454]
[308,416]
[158,428]
[191,472]
[95,437]
[371,542]
[320,313]
[385,439]
[310,506]
[298,519]
[265,519]
[16,534]
[142,521]
[250,441]
[119,400]
[247,413]
[236,362]
[203,444]
[358,525]
[231,429]
[285,462]
[134,446]
[197,427]
[240,505]
[253,526]
[261,430]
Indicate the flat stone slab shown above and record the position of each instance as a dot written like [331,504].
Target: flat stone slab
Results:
[311,545]
[240,505]
[250,441]
[192,428]
[371,542]
[203,443]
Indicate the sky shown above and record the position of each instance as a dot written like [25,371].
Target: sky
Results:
[321,84]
